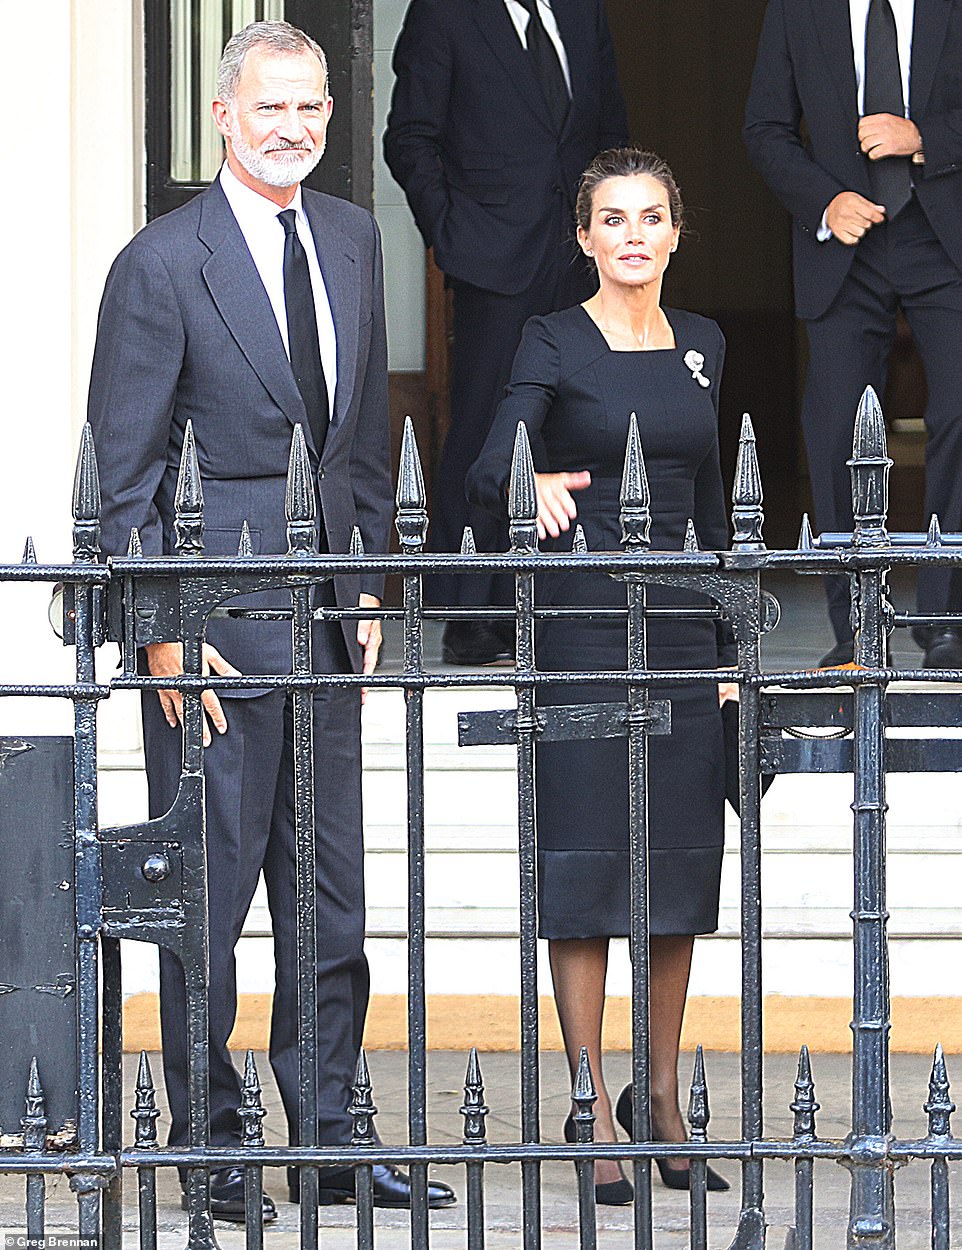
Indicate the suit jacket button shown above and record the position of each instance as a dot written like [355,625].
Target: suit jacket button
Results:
[320,473]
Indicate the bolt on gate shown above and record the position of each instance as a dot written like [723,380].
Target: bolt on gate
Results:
[61,1097]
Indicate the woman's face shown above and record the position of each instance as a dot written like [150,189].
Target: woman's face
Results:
[631,236]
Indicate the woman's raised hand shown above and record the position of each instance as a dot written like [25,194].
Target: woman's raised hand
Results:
[556,507]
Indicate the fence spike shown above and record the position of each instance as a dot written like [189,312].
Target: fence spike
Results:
[691,538]
[747,495]
[934,537]
[804,1105]
[468,547]
[473,1108]
[522,496]
[86,480]
[189,500]
[411,499]
[584,1097]
[940,1106]
[806,539]
[356,548]
[635,497]
[29,552]
[869,467]
[145,1111]
[135,547]
[698,1110]
[579,544]
[245,548]
[86,500]
[251,1112]
[300,505]
[362,1109]
[34,1122]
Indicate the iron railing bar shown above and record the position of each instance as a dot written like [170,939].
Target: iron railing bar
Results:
[111,1043]
[528,926]
[306,902]
[466,614]
[637,656]
[147,1207]
[87,905]
[417,1001]
[752,1110]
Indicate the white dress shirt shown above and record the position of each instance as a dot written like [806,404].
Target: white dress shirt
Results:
[521,17]
[904,13]
[264,235]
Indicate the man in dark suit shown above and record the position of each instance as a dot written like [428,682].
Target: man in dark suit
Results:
[498,107]
[253,309]
[874,186]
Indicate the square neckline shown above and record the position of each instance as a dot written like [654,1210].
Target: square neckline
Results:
[633,351]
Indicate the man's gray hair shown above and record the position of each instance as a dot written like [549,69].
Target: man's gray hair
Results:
[276,37]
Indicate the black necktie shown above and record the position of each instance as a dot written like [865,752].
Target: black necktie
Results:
[302,340]
[547,66]
[890,177]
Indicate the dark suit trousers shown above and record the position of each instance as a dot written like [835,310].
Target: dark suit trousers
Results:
[250,828]
[487,331]
[898,264]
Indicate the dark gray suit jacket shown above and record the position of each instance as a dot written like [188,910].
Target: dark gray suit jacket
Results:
[805,70]
[186,331]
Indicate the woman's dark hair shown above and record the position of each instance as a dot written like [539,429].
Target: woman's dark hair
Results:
[623,163]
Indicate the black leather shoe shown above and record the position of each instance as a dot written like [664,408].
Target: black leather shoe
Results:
[474,643]
[392,1187]
[842,653]
[943,649]
[227,1197]
[671,1178]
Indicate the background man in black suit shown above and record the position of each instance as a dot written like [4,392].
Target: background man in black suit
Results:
[254,308]
[875,191]
[498,107]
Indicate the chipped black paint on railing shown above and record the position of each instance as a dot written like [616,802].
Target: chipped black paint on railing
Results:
[137,600]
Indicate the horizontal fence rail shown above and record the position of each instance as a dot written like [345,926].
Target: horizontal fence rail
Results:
[147,882]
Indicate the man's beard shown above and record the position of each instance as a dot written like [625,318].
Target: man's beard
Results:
[275,170]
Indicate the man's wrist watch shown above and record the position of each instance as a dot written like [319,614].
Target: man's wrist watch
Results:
[918,158]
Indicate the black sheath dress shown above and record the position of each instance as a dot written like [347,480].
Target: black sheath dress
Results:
[575,395]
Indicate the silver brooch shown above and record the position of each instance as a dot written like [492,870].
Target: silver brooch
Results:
[695,361]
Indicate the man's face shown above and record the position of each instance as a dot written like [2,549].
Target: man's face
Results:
[276,125]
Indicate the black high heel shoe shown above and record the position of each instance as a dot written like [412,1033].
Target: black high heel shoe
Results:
[671,1178]
[619,1193]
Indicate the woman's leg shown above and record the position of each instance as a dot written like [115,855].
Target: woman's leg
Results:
[670,963]
[578,968]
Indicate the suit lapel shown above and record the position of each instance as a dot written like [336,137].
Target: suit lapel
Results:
[499,32]
[337,257]
[236,288]
[832,20]
[929,25]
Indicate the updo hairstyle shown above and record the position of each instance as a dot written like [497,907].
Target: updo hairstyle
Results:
[624,163]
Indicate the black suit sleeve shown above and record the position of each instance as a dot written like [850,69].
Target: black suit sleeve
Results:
[423,65]
[137,362]
[530,394]
[370,451]
[772,130]
[711,518]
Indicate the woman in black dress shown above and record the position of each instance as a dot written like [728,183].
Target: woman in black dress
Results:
[577,376]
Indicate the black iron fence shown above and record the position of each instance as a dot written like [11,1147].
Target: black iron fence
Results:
[62,1112]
